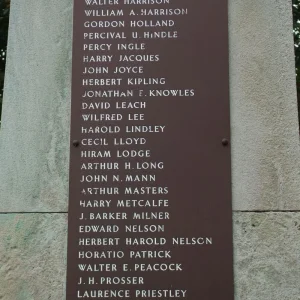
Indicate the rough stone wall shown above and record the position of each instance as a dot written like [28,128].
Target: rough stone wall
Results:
[34,138]
[265,136]
[34,151]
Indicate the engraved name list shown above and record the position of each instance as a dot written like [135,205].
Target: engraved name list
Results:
[150,195]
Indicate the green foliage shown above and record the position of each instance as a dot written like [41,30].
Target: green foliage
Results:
[296,17]
[4,18]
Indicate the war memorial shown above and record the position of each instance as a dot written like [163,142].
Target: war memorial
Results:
[149,149]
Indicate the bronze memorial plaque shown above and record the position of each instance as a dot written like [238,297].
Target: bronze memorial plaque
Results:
[150,177]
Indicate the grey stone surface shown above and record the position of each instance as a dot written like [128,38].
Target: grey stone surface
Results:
[34,136]
[33,256]
[267,256]
[265,136]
